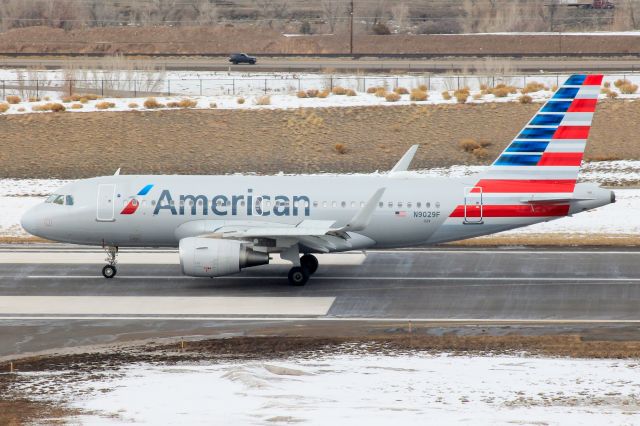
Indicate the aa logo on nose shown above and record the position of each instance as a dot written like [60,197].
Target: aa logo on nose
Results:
[133,203]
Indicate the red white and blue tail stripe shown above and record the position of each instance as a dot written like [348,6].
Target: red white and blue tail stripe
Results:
[536,174]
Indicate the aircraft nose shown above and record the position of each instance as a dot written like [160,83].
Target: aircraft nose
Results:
[29,221]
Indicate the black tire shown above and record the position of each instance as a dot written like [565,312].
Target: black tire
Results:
[109,271]
[298,276]
[234,62]
[310,263]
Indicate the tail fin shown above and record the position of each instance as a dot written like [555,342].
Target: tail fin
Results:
[545,157]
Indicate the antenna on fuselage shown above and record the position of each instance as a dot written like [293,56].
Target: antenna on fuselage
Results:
[117,173]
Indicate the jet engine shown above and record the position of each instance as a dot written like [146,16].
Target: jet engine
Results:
[206,257]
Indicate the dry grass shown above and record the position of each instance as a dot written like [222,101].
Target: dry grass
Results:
[446,95]
[13,99]
[133,105]
[418,95]
[49,106]
[533,86]
[105,105]
[77,106]
[312,93]
[392,97]
[302,94]
[213,105]
[525,99]
[468,144]
[264,100]
[173,104]
[480,153]
[462,95]
[340,148]
[351,92]
[401,90]
[339,90]
[34,99]
[22,109]
[152,103]
[502,90]
[477,96]
[628,88]
[423,87]
[372,90]
[611,94]
[66,99]
[4,107]
[323,94]
[240,100]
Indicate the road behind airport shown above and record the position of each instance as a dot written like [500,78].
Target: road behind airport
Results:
[56,297]
[369,64]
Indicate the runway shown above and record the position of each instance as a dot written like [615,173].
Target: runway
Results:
[371,64]
[54,296]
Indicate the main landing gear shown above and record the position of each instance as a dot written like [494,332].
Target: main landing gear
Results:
[109,270]
[299,275]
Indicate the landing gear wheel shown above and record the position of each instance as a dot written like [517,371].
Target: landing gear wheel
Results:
[298,276]
[310,263]
[109,271]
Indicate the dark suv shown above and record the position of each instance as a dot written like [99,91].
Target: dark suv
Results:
[239,58]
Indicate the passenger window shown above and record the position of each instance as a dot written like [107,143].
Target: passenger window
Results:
[399,203]
[315,204]
[391,204]
[334,204]
[343,204]
[353,204]
[418,204]
[428,204]
[409,205]
[381,204]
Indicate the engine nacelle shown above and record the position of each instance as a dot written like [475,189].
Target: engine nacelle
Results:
[207,257]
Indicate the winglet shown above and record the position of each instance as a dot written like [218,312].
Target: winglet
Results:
[403,164]
[117,173]
[363,217]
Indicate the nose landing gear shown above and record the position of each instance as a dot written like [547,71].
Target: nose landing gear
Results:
[109,270]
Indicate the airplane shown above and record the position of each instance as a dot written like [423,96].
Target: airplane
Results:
[223,224]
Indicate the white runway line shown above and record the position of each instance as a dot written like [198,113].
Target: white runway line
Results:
[325,319]
[148,258]
[134,305]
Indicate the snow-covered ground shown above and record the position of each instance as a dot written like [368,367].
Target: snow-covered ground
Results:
[224,88]
[621,218]
[405,389]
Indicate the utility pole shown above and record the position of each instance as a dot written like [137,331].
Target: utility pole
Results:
[351,28]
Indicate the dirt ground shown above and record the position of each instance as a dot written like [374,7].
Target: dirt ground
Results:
[260,40]
[79,145]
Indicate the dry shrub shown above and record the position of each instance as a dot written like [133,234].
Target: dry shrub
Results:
[423,88]
[34,99]
[4,107]
[372,90]
[213,105]
[628,88]
[469,145]
[84,100]
[418,95]
[50,106]
[339,90]
[301,94]
[152,103]
[465,90]
[312,93]
[188,103]
[480,153]
[612,94]
[484,87]
[392,97]
[133,105]
[381,92]
[105,105]
[500,92]
[607,84]
[446,95]
[401,91]
[13,99]
[525,99]
[240,100]
[554,88]
[323,94]
[173,104]
[351,92]
[533,86]
[264,100]
[340,148]
[484,144]
[66,99]
[461,95]
[77,106]
[90,96]
[620,82]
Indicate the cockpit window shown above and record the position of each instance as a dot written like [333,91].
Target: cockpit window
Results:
[60,199]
